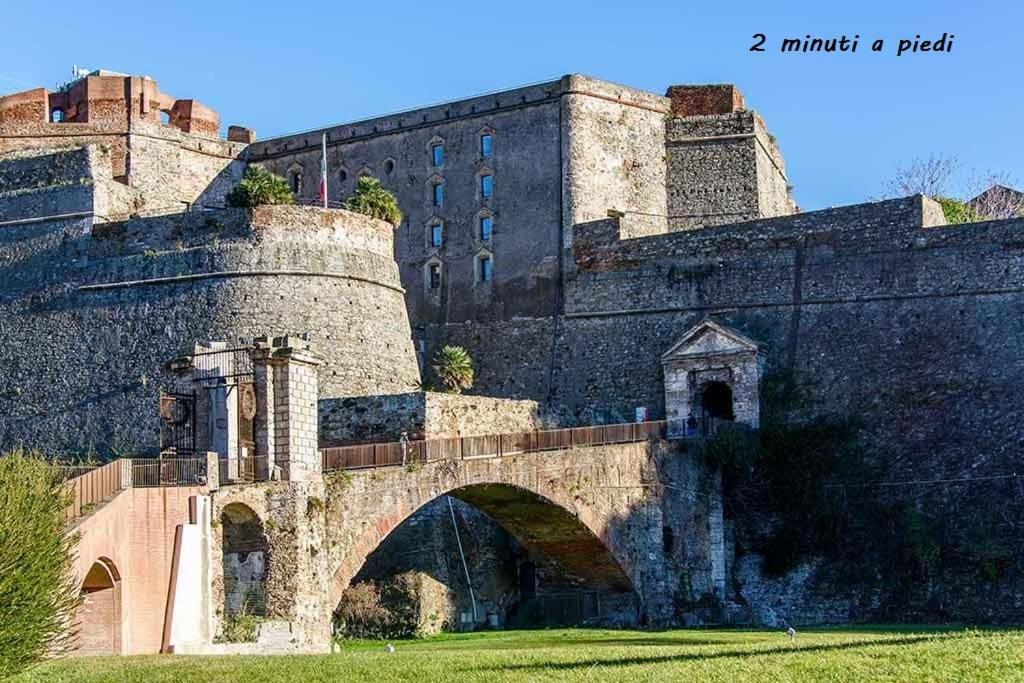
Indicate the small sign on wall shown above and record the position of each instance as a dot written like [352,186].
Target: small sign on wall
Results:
[641,413]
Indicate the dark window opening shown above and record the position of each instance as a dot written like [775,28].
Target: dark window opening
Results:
[486,145]
[485,228]
[295,181]
[435,276]
[389,167]
[668,539]
[486,269]
[342,175]
[437,154]
[716,401]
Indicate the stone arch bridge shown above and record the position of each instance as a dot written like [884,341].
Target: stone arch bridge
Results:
[173,547]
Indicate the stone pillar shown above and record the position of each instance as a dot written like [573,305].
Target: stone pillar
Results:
[286,421]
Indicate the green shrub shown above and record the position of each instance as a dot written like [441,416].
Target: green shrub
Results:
[372,199]
[242,627]
[389,609]
[259,187]
[956,212]
[38,590]
[454,369]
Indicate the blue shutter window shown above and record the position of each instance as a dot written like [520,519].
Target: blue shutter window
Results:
[485,228]
[486,186]
[486,145]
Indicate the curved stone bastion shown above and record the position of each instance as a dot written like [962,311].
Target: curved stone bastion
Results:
[90,312]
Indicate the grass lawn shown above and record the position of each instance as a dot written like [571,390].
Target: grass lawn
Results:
[847,654]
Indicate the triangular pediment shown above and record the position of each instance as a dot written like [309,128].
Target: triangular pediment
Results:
[708,338]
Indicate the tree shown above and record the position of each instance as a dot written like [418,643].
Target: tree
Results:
[454,369]
[372,199]
[937,177]
[931,177]
[258,187]
[38,591]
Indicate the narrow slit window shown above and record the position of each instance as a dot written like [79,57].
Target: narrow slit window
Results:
[486,186]
[485,228]
[436,236]
[438,194]
[486,269]
[437,154]
[435,276]
[486,145]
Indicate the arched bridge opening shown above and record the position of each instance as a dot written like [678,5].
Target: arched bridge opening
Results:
[525,561]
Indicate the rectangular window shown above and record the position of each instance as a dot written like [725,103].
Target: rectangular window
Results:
[486,269]
[438,194]
[485,228]
[437,154]
[435,236]
[435,276]
[486,186]
[486,143]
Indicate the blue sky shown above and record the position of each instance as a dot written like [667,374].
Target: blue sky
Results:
[845,121]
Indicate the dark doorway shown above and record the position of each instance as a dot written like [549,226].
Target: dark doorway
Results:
[716,401]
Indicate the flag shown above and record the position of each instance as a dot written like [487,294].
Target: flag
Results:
[323,170]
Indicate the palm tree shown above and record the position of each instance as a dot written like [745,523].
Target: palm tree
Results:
[258,187]
[372,199]
[454,369]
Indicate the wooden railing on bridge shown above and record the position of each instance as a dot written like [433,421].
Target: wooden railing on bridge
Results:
[91,485]
[364,456]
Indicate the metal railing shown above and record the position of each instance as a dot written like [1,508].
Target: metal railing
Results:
[91,486]
[151,473]
[370,455]
[244,470]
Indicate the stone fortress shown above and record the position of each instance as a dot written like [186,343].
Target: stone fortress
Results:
[605,254]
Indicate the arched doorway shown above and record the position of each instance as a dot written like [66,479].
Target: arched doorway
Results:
[517,558]
[245,561]
[99,616]
[716,401]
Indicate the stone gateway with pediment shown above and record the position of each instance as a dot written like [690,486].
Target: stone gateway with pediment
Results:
[712,372]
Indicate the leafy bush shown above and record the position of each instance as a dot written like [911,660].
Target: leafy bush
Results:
[259,187]
[38,591]
[454,369]
[372,199]
[242,627]
[957,212]
[389,609]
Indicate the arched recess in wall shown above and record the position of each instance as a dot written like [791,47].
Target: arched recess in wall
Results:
[245,561]
[716,401]
[57,115]
[570,557]
[294,176]
[99,615]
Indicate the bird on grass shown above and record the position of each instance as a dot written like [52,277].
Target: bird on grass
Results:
[790,631]
[389,648]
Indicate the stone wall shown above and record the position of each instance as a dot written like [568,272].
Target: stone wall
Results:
[422,415]
[723,169]
[601,514]
[91,312]
[525,207]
